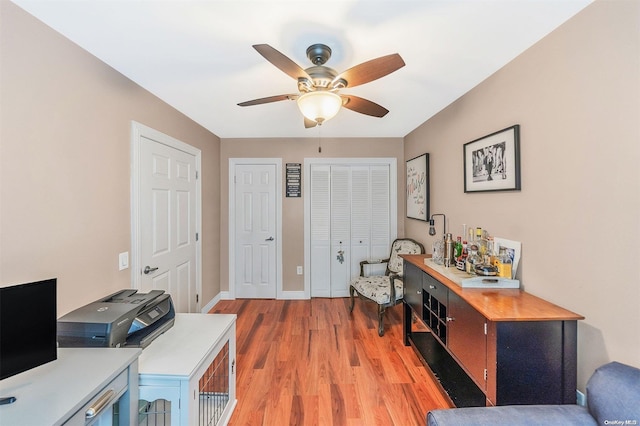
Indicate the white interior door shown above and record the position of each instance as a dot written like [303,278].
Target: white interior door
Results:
[166,203]
[255,231]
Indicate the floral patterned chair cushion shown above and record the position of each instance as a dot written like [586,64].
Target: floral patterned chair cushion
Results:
[402,247]
[377,288]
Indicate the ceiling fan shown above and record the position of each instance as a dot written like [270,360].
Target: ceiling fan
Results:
[319,98]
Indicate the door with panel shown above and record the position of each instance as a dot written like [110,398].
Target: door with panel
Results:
[168,222]
[255,223]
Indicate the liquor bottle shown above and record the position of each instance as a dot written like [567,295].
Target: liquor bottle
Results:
[490,256]
[473,259]
[477,241]
[457,249]
[461,262]
[481,242]
[504,264]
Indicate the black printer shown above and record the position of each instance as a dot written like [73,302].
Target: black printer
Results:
[126,318]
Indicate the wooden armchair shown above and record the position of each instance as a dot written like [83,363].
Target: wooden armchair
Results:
[378,288]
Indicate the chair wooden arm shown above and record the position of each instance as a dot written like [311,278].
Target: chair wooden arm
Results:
[392,291]
[371,262]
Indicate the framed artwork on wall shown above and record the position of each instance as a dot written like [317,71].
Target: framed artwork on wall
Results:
[492,163]
[418,188]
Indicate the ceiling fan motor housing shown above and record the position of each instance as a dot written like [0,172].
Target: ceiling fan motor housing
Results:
[321,75]
[318,53]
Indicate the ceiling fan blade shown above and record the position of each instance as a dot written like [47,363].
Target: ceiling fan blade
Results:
[309,123]
[363,106]
[370,70]
[268,100]
[281,61]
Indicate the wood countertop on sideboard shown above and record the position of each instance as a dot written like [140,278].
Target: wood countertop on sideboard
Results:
[494,303]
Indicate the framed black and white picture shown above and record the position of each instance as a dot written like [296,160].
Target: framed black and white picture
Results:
[492,163]
[418,188]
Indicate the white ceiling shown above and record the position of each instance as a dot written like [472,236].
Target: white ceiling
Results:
[197,55]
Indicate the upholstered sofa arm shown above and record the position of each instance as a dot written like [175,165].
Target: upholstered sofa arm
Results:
[613,394]
[613,398]
[513,415]
[371,262]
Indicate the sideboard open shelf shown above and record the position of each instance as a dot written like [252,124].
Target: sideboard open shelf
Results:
[489,346]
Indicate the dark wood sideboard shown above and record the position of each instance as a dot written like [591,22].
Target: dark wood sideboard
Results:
[489,346]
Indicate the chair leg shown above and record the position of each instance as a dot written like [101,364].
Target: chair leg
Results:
[353,300]
[381,311]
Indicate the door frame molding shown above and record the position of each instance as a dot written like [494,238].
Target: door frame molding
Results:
[392,162]
[138,131]
[233,162]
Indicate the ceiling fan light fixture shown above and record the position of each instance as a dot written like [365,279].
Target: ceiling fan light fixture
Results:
[319,106]
[317,85]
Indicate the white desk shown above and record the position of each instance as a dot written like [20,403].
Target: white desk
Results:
[171,367]
[62,390]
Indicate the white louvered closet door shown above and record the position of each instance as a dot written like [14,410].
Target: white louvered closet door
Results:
[340,230]
[360,217]
[320,271]
[380,213]
[350,222]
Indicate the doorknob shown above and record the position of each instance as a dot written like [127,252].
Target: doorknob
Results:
[269,239]
[148,269]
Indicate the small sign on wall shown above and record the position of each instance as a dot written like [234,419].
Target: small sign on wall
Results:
[294,172]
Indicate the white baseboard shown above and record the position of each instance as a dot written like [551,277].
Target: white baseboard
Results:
[225,295]
[293,295]
[211,304]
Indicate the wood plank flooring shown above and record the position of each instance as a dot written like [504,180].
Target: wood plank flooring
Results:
[309,362]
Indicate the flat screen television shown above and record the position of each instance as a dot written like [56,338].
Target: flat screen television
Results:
[27,326]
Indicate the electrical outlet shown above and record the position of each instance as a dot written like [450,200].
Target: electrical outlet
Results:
[299,270]
[123,261]
[581,399]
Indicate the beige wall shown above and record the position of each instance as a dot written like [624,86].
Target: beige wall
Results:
[64,156]
[576,95]
[295,151]
[64,176]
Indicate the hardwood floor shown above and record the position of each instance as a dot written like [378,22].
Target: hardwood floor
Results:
[309,362]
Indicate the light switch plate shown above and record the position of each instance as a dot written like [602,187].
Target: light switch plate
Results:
[299,270]
[123,261]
